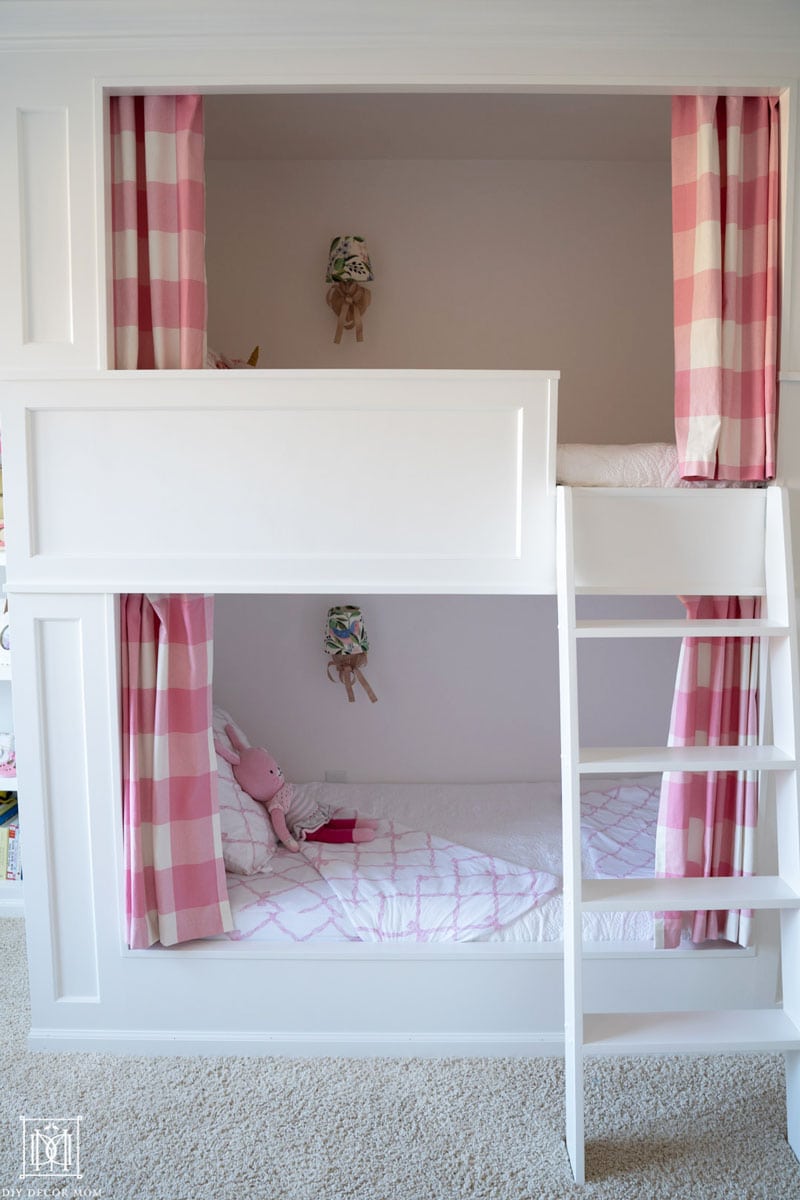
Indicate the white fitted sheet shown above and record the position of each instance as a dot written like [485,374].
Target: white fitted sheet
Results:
[646,464]
[517,822]
[639,465]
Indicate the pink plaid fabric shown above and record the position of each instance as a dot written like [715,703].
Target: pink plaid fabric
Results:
[725,199]
[707,823]
[158,224]
[174,872]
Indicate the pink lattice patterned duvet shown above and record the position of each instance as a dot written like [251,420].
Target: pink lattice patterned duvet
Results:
[476,862]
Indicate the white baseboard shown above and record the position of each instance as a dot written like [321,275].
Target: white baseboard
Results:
[300,1045]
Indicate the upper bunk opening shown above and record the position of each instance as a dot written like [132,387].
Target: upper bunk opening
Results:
[506,231]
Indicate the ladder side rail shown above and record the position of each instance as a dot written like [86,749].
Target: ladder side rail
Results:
[765,924]
[571,836]
[781,605]
[784,675]
[784,693]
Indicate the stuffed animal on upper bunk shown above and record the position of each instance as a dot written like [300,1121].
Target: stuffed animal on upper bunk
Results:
[294,818]
[221,362]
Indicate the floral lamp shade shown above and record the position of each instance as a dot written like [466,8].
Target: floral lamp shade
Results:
[349,268]
[347,643]
[348,260]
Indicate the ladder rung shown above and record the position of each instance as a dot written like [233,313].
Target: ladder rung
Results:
[643,760]
[687,895]
[679,627]
[734,1030]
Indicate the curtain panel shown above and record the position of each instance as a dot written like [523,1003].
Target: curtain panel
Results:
[707,823]
[174,871]
[725,209]
[158,231]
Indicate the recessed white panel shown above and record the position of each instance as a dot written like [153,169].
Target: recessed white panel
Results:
[66,799]
[346,482]
[284,481]
[44,205]
[650,541]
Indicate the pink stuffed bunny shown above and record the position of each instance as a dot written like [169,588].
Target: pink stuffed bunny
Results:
[258,774]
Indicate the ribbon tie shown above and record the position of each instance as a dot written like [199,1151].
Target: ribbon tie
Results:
[348,667]
[348,301]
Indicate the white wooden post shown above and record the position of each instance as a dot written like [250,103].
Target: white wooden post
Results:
[571,839]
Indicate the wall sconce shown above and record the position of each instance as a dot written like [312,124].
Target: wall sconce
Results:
[347,643]
[348,269]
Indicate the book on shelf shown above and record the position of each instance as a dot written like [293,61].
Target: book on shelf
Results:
[8,809]
[9,840]
[13,861]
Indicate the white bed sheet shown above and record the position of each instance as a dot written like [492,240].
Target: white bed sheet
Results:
[518,822]
[639,465]
[645,464]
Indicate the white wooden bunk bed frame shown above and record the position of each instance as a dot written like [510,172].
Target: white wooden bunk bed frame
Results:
[77,442]
[455,492]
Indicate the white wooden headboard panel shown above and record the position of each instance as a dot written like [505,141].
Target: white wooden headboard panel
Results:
[283,481]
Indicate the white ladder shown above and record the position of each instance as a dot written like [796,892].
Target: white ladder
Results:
[718,1031]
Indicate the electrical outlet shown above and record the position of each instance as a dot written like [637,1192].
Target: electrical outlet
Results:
[336,776]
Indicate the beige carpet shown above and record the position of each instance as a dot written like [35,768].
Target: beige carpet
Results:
[392,1129]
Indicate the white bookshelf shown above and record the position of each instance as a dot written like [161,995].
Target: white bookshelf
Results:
[11,896]
[11,899]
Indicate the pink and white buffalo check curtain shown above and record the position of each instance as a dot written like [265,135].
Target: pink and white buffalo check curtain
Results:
[175,876]
[707,823]
[725,263]
[174,872]
[158,223]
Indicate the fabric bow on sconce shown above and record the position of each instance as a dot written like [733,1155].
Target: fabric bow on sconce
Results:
[347,642]
[349,269]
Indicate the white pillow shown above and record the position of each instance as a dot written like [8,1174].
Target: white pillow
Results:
[248,842]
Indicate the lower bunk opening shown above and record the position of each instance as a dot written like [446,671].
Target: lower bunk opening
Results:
[457,849]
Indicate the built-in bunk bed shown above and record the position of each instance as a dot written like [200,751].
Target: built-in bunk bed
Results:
[66,444]
[107,477]
[503,526]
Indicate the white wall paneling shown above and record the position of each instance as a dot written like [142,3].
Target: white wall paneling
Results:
[44,200]
[66,807]
[49,291]
[689,542]
[284,481]
[67,732]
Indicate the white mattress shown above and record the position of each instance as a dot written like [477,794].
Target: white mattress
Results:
[639,465]
[518,822]
[647,464]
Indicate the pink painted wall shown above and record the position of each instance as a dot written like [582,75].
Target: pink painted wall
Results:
[497,264]
[467,686]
